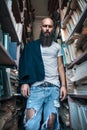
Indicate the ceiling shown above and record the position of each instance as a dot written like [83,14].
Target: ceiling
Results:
[41,8]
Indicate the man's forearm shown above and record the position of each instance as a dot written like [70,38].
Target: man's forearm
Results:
[62,76]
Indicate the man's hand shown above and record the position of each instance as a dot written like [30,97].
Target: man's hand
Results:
[63,93]
[25,90]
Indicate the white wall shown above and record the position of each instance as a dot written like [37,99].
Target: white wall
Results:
[41,11]
[40,6]
[36,28]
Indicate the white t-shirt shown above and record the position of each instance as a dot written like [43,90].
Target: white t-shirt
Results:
[49,56]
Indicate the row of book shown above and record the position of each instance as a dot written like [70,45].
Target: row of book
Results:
[76,47]
[64,10]
[11,47]
[14,79]
[17,26]
[78,114]
[73,5]
[8,87]
[8,115]
[77,79]
[82,4]
[69,25]
[70,21]
[64,113]
[70,52]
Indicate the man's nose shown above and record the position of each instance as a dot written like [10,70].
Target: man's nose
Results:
[47,28]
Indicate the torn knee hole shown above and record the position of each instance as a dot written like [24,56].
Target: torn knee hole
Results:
[30,113]
[51,120]
[52,117]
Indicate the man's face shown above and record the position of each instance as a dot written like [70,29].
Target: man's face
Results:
[47,32]
[47,27]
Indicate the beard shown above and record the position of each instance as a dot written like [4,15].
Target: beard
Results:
[46,38]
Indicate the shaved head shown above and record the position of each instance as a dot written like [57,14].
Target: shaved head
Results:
[48,19]
[47,31]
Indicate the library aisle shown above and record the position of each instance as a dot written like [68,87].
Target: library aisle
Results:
[20,24]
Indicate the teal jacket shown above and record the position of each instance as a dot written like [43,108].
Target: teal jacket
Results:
[31,68]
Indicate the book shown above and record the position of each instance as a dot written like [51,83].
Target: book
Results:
[69,28]
[78,13]
[65,34]
[74,49]
[82,110]
[64,114]
[67,54]
[19,28]
[80,72]
[70,51]
[71,23]
[1,34]
[6,40]
[74,118]
[64,58]
[74,18]
[11,47]
[13,50]
[80,5]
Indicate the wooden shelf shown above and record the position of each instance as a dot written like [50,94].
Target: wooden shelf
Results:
[6,21]
[79,24]
[5,58]
[79,60]
[77,95]
[5,98]
[71,26]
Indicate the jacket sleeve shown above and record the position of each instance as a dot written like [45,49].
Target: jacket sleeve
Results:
[23,66]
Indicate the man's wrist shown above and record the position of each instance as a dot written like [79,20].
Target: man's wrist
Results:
[63,85]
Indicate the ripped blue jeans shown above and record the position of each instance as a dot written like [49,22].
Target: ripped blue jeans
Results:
[44,99]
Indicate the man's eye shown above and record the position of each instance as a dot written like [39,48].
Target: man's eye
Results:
[45,26]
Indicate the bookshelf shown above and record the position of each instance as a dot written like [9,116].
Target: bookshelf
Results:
[79,23]
[73,33]
[78,109]
[15,17]
[10,16]
[52,6]
[73,95]
[5,58]
[5,98]
[6,21]
[75,27]
[79,60]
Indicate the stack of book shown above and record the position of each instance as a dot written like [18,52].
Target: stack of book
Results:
[70,84]
[64,113]
[10,46]
[80,72]
[78,114]
[14,80]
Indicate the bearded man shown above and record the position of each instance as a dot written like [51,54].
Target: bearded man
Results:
[42,79]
